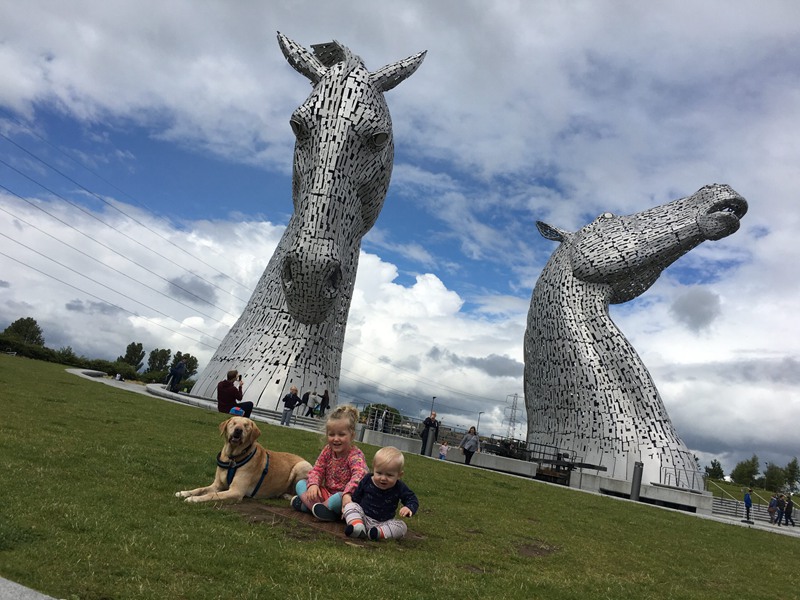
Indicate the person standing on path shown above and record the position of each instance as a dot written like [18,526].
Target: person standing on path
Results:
[781,508]
[748,503]
[290,400]
[431,428]
[470,444]
[787,512]
[177,373]
[324,404]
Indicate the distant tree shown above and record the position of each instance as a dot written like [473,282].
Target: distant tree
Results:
[26,330]
[134,355]
[191,363]
[774,477]
[792,472]
[66,356]
[715,470]
[159,359]
[745,472]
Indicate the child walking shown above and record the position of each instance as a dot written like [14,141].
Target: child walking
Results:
[443,448]
[372,512]
[337,472]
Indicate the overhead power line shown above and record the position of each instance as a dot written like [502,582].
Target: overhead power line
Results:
[109,248]
[49,166]
[89,256]
[108,302]
[122,233]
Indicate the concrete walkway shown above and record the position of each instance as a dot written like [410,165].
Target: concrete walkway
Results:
[13,591]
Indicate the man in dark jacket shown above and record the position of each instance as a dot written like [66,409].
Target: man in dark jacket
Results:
[431,429]
[290,400]
[787,512]
[176,373]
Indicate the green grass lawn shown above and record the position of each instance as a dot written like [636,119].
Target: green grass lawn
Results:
[87,510]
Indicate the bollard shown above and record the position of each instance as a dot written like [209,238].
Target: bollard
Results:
[428,450]
[636,483]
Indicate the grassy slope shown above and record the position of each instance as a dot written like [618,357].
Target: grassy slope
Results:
[87,511]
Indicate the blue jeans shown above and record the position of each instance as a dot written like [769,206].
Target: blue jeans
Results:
[286,417]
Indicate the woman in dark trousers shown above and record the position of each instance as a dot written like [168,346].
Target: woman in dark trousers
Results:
[470,444]
[787,512]
[324,404]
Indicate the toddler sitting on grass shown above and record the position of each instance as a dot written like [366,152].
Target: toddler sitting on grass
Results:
[371,514]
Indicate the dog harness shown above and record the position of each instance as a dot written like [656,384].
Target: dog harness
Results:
[232,465]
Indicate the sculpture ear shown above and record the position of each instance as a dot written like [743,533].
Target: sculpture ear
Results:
[301,59]
[551,233]
[390,76]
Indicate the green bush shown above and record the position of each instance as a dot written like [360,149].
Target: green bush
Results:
[154,376]
[127,371]
[9,343]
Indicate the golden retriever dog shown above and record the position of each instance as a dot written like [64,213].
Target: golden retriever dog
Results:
[246,468]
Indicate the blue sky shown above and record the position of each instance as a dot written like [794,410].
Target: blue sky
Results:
[520,112]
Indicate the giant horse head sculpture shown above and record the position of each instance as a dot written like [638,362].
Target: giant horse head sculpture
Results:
[587,392]
[342,165]
[628,253]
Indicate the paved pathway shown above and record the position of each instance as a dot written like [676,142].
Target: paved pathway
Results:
[13,591]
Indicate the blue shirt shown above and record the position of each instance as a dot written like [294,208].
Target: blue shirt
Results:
[381,505]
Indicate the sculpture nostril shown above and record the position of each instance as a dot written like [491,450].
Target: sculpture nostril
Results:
[333,281]
[287,273]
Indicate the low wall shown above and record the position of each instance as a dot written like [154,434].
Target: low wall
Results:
[699,502]
[480,459]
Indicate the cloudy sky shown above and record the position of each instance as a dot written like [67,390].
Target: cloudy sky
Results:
[145,159]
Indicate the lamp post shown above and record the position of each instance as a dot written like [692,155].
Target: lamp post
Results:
[479,421]
[432,401]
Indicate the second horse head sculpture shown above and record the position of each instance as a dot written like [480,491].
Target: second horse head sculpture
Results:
[587,392]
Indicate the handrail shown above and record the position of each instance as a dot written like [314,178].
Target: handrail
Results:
[721,489]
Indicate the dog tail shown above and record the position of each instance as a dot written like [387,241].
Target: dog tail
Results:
[300,471]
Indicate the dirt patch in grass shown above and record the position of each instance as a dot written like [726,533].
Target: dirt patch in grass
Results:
[476,569]
[300,525]
[536,548]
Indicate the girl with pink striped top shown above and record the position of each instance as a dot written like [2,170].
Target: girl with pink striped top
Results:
[337,472]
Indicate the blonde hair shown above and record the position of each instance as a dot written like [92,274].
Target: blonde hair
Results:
[389,456]
[344,412]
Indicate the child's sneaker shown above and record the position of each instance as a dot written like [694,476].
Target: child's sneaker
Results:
[356,531]
[323,513]
[296,503]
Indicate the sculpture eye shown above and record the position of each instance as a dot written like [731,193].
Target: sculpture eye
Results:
[607,215]
[380,139]
[298,127]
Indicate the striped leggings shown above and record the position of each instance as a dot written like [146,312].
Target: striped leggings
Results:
[393,528]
